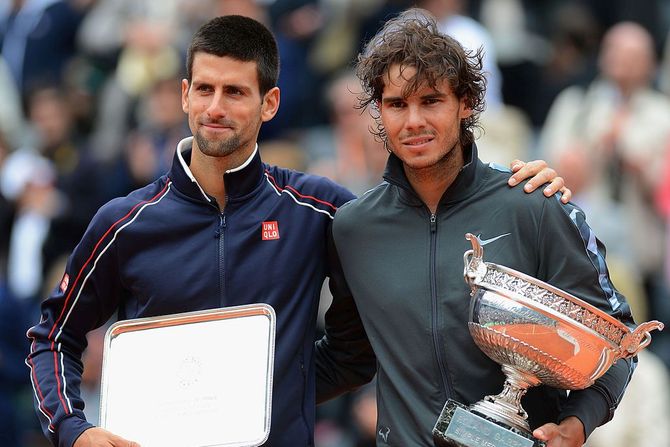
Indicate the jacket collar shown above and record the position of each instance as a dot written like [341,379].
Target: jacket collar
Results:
[240,181]
[463,186]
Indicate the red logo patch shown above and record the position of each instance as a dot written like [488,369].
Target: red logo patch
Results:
[64,283]
[270,231]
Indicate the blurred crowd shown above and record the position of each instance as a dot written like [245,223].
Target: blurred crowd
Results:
[91,110]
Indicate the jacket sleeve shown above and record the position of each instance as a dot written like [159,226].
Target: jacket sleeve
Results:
[86,297]
[573,259]
[344,358]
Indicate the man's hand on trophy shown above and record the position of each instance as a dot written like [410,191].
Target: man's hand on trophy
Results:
[569,433]
[99,437]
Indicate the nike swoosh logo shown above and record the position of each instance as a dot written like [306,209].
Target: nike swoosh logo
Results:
[483,242]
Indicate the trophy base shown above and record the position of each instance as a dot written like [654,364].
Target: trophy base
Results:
[458,426]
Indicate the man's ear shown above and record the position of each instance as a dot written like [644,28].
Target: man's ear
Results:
[184,95]
[464,111]
[270,104]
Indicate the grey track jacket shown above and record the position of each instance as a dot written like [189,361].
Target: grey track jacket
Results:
[403,271]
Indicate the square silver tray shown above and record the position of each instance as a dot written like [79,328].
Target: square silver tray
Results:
[194,379]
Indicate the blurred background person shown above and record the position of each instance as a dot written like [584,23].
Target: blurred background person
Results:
[343,149]
[6,214]
[11,109]
[295,24]
[38,38]
[133,44]
[54,187]
[27,182]
[15,313]
[149,146]
[538,60]
[14,383]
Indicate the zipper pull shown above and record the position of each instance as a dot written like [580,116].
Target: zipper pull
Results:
[222,225]
[433,222]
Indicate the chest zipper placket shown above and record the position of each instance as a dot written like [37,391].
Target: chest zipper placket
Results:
[437,345]
[222,270]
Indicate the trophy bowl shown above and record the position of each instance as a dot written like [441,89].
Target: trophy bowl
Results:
[538,334]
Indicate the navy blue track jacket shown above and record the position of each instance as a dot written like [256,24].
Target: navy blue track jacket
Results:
[167,248]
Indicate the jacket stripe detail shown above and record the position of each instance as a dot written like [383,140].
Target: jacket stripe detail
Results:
[597,259]
[36,389]
[295,194]
[57,352]
[61,395]
[103,251]
[153,201]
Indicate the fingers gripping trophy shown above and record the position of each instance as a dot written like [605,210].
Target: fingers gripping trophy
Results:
[524,324]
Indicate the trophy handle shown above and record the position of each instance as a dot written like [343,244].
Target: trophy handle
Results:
[475,268]
[639,339]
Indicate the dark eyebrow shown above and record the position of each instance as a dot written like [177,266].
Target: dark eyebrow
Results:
[242,88]
[237,87]
[432,95]
[435,95]
[391,99]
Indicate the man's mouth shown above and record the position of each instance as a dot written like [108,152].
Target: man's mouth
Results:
[418,140]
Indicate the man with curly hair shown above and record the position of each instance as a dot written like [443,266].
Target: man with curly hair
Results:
[401,247]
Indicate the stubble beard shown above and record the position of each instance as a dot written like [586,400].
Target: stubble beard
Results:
[447,159]
[446,166]
[220,148]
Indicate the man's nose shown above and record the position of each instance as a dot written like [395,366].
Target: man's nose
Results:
[415,117]
[216,108]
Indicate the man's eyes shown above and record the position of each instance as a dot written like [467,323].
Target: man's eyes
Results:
[401,104]
[233,91]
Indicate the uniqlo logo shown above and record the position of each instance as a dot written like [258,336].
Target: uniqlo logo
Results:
[64,283]
[270,231]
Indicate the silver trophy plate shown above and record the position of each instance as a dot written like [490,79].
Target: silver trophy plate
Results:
[194,379]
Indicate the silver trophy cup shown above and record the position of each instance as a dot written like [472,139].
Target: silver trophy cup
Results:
[539,334]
